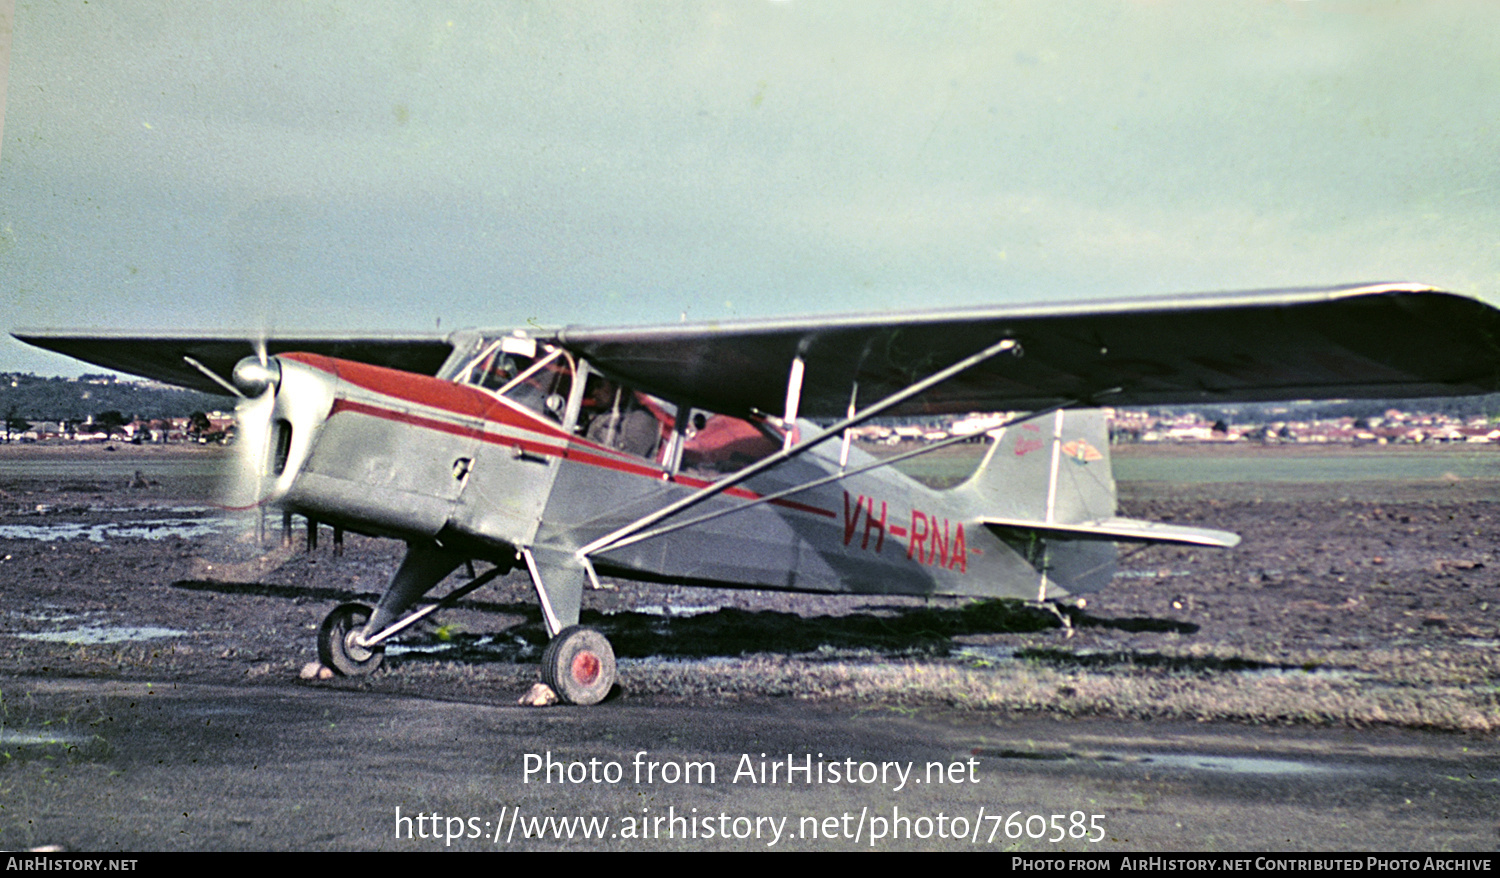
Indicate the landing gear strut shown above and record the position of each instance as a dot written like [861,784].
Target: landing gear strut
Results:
[353,637]
[579,665]
[338,642]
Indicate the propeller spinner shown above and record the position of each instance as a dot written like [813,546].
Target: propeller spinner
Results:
[260,441]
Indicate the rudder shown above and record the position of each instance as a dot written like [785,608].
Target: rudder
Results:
[1052,469]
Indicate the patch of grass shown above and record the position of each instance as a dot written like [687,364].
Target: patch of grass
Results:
[1152,689]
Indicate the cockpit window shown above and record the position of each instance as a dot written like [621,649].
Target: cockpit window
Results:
[544,385]
[714,444]
[615,416]
[498,368]
[492,362]
[539,377]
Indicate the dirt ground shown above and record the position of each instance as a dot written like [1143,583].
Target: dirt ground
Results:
[1330,684]
[1352,605]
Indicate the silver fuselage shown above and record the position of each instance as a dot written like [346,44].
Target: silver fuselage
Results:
[421,458]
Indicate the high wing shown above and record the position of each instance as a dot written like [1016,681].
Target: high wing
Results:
[1378,340]
[169,358]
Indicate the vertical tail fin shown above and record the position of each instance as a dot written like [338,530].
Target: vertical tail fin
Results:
[1046,490]
[1052,470]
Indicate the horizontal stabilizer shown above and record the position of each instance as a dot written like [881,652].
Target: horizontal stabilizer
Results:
[1122,530]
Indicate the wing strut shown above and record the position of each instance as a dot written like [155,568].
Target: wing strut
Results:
[610,540]
[212,375]
[832,477]
[844,443]
[793,401]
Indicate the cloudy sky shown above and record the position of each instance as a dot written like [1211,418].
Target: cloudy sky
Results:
[316,165]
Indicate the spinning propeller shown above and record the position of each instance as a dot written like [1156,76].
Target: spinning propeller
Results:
[258,438]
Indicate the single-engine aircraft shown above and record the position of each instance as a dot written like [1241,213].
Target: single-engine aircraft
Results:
[719,454]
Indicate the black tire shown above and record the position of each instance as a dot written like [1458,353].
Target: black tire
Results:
[336,648]
[579,665]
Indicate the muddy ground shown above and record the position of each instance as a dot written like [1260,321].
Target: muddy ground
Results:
[1345,605]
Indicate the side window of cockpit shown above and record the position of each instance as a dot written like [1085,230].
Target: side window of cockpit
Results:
[627,420]
[714,444]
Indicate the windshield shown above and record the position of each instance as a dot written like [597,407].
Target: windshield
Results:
[539,377]
[543,386]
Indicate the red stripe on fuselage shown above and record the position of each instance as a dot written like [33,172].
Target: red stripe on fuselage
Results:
[470,402]
[363,408]
[451,398]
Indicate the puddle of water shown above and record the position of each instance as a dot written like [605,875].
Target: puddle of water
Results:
[1235,764]
[986,653]
[1256,765]
[395,649]
[42,616]
[103,634]
[20,738]
[1321,673]
[47,744]
[503,648]
[671,660]
[219,711]
[1478,643]
[673,612]
[90,628]
[1149,574]
[157,529]
[165,510]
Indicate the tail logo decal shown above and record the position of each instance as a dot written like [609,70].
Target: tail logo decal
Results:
[1081,452]
[1027,444]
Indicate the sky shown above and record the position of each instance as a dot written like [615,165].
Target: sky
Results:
[333,166]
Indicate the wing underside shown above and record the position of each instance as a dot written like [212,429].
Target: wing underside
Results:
[1373,341]
[1384,340]
[170,358]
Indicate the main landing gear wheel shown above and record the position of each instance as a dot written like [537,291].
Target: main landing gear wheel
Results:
[579,665]
[337,648]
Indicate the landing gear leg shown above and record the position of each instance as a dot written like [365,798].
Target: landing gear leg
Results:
[579,663]
[1062,616]
[342,642]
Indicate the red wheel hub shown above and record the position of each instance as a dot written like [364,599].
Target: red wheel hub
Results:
[585,668]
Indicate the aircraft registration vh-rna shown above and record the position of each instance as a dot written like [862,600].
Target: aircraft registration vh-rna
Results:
[720,454]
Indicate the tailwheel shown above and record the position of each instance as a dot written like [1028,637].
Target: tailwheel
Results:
[337,642]
[579,665]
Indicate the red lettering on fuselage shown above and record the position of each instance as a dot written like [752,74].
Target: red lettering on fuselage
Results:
[878,524]
[938,542]
[865,505]
[851,521]
[939,548]
[915,547]
[933,541]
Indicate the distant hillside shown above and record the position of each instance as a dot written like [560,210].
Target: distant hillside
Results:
[59,399]
[1261,413]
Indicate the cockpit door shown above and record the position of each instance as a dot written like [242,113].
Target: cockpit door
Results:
[521,445]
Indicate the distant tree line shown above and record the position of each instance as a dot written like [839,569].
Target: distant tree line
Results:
[1464,407]
[26,398]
